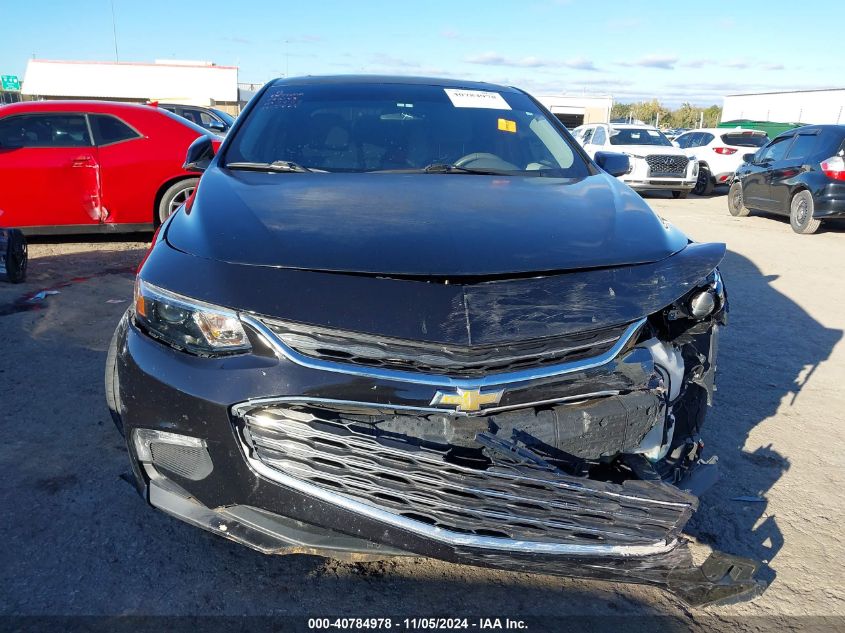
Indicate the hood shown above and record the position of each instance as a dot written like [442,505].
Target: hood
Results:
[648,150]
[444,225]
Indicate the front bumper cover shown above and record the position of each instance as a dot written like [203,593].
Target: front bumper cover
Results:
[163,389]
[720,579]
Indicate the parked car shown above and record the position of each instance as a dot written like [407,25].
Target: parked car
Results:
[411,316]
[655,162]
[90,166]
[672,134]
[801,173]
[719,153]
[212,119]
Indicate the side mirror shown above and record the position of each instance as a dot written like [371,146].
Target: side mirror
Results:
[613,163]
[748,158]
[676,144]
[199,155]
[216,126]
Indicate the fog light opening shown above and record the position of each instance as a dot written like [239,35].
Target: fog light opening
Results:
[143,438]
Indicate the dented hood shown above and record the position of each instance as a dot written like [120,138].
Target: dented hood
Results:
[420,224]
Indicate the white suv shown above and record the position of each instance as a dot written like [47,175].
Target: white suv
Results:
[655,162]
[719,153]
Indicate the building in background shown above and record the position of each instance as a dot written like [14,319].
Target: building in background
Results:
[575,110]
[172,81]
[246,91]
[798,106]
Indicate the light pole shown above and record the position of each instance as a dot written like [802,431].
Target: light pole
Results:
[114,32]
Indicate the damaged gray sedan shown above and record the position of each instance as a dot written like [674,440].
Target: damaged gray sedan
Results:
[410,317]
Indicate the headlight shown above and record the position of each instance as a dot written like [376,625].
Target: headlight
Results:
[190,325]
[701,302]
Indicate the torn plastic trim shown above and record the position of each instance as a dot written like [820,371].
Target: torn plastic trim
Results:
[720,579]
[440,380]
[260,530]
[240,409]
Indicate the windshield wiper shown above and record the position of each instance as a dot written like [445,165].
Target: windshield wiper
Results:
[276,165]
[447,168]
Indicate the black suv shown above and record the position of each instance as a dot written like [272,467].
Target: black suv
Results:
[407,316]
[211,119]
[800,173]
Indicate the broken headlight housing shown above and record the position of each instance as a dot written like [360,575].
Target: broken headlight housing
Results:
[706,299]
[187,324]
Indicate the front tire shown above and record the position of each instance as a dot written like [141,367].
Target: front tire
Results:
[16,256]
[680,195]
[705,184]
[801,213]
[736,203]
[175,196]
[112,385]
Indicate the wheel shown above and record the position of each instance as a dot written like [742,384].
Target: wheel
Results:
[175,196]
[680,194]
[735,202]
[705,183]
[16,256]
[112,386]
[801,213]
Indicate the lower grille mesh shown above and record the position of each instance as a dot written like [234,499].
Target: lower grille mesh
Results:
[423,482]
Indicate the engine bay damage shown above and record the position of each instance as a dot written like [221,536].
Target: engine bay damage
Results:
[609,471]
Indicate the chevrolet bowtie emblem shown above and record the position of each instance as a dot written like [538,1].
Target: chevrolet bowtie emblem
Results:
[466,399]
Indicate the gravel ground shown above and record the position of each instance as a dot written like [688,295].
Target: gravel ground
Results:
[78,541]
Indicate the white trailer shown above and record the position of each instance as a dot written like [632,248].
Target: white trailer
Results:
[799,106]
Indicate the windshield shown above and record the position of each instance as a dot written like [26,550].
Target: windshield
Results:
[228,118]
[401,127]
[638,136]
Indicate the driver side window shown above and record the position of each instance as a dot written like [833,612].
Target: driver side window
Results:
[775,150]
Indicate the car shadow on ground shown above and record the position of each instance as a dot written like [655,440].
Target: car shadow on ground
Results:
[87,544]
[767,355]
[828,226]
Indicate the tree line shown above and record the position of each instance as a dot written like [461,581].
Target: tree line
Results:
[654,113]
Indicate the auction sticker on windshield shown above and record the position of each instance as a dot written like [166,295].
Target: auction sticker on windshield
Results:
[476,99]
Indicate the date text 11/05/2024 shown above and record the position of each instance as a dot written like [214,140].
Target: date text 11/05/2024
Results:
[418,624]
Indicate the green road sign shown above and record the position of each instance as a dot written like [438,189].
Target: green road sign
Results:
[10,82]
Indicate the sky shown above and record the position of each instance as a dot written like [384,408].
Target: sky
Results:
[676,52]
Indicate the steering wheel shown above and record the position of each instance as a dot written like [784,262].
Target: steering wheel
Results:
[483,160]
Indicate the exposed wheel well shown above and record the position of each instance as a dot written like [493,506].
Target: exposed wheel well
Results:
[160,194]
[795,191]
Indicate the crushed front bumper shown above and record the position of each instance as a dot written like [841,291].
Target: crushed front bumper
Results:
[720,579]
[274,475]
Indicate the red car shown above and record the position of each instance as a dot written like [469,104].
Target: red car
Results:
[91,166]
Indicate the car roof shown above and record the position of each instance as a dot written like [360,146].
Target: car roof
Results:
[180,105]
[726,130]
[393,79]
[631,126]
[820,127]
[72,105]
